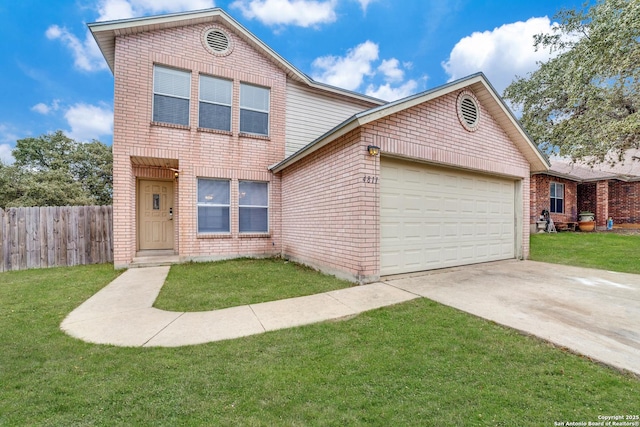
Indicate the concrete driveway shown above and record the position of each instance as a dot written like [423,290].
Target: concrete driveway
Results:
[592,312]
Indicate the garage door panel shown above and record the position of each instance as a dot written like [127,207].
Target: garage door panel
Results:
[433,217]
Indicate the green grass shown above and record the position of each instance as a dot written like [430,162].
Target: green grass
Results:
[215,285]
[417,363]
[606,251]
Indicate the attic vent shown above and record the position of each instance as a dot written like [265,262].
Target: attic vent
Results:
[468,111]
[217,42]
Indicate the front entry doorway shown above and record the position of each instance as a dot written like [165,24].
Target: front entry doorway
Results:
[155,215]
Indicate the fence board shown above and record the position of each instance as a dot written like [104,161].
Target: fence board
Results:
[55,236]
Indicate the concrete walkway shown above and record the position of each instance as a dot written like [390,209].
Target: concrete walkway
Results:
[122,313]
[591,312]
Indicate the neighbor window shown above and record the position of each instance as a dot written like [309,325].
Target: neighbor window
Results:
[253,203]
[557,198]
[215,103]
[171,94]
[254,109]
[213,206]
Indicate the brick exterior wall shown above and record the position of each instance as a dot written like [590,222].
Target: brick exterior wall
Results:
[540,198]
[624,202]
[331,215]
[199,153]
[587,201]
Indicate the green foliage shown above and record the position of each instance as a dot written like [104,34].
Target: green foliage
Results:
[414,364]
[54,170]
[583,103]
[230,283]
[606,251]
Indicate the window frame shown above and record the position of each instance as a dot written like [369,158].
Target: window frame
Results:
[154,93]
[554,198]
[264,207]
[200,204]
[201,101]
[241,107]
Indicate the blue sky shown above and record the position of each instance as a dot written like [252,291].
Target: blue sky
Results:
[55,78]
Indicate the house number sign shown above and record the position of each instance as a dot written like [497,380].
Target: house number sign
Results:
[368,179]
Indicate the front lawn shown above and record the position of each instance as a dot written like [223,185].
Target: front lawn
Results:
[214,285]
[606,251]
[417,363]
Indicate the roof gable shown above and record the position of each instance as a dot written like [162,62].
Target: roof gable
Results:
[105,34]
[483,90]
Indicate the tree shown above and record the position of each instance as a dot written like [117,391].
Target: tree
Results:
[54,170]
[583,103]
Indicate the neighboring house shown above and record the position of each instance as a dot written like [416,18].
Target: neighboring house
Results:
[608,191]
[224,149]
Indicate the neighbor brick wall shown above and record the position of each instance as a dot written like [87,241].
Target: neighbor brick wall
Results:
[199,153]
[540,198]
[624,202]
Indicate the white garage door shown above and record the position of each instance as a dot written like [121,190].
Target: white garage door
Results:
[432,217]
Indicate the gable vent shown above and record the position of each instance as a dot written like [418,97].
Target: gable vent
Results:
[217,41]
[468,111]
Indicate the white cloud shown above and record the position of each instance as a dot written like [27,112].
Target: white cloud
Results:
[391,70]
[349,71]
[87,56]
[45,109]
[5,154]
[7,138]
[364,4]
[501,54]
[303,13]
[122,9]
[89,121]
[389,93]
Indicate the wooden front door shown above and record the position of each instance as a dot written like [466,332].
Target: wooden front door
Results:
[155,214]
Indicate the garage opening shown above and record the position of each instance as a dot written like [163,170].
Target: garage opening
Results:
[433,217]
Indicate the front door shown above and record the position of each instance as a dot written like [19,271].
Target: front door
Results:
[155,214]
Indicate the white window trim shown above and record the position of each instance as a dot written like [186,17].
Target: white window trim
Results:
[556,184]
[230,105]
[203,204]
[255,206]
[154,93]
[268,111]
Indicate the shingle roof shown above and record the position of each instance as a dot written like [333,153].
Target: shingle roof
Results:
[627,169]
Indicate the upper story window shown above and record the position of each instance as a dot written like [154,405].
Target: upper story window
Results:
[556,193]
[171,94]
[215,103]
[254,109]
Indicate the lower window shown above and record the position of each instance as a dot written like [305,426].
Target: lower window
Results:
[253,204]
[213,206]
[556,192]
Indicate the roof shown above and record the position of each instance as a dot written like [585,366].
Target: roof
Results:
[105,34]
[483,90]
[625,169]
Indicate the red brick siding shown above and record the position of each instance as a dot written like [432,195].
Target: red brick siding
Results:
[540,198]
[199,154]
[587,201]
[624,202]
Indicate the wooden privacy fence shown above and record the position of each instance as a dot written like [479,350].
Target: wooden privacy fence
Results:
[38,237]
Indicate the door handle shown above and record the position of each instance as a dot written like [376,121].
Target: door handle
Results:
[170,214]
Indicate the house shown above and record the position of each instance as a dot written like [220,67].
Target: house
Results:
[607,190]
[222,149]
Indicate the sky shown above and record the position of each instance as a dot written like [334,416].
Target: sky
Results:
[55,77]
